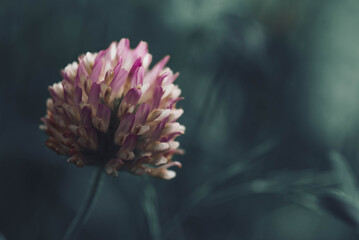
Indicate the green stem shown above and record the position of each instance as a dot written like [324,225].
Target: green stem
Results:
[85,211]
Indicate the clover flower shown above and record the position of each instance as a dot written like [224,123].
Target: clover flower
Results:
[112,111]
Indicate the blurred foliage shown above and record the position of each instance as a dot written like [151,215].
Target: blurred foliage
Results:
[271,91]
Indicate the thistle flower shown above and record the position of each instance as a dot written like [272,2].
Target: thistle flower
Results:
[111,110]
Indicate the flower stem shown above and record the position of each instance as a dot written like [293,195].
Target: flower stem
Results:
[85,211]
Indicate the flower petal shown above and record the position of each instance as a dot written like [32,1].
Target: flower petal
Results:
[85,119]
[94,96]
[125,127]
[97,68]
[163,172]
[82,74]
[132,96]
[104,114]
[77,96]
[135,66]
[139,74]
[158,130]
[157,95]
[142,114]
[123,47]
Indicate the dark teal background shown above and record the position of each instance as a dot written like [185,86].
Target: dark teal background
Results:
[271,93]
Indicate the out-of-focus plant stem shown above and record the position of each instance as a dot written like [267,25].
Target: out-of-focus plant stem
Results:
[85,211]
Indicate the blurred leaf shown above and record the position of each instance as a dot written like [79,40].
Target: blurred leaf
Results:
[342,202]
[343,173]
[341,206]
[300,187]
[231,171]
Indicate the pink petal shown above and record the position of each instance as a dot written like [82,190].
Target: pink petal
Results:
[152,75]
[157,95]
[132,96]
[104,113]
[172,78]
[118,65]
[94,95]
[111,53]
[142,114]
[141,50]
[66,76]
[173,102]
[135,65]
[126,124]
[77,96]
[119,79]
[170,136]
[129,144]
[81,72]
[139,74]
[159,66]
[160,79]
[123,47]
[85,116]
[108,76]
[158,130]
[97,67]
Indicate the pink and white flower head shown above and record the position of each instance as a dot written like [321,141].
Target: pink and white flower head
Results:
[112,111]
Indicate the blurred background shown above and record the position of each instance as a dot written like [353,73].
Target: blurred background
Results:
[271,90]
